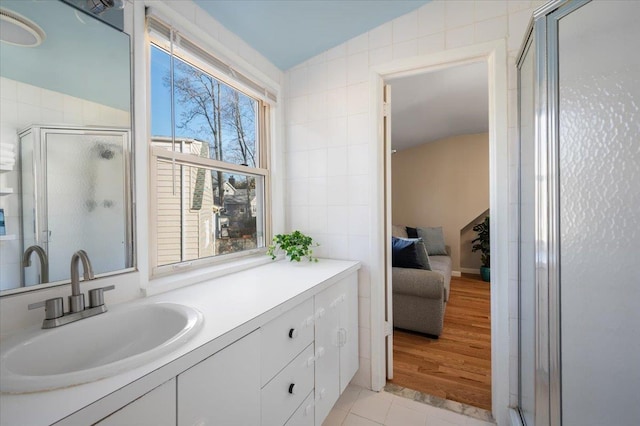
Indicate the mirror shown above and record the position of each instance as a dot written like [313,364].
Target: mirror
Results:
[65,129]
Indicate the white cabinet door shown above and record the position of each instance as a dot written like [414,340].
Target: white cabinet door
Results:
[156,408]
[224,389]
[336,312]
[327,352]
[348,329]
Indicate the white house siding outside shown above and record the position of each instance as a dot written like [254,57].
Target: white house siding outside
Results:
[196,224]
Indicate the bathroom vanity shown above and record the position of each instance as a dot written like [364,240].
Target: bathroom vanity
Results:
[278,345]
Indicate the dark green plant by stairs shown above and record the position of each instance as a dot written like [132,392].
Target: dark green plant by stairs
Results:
[296,245]
[482,243]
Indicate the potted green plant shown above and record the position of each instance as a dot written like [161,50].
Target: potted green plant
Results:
[296,245]
[483,244]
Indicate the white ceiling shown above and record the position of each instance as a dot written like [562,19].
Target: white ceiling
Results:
[439,104]
[289,32]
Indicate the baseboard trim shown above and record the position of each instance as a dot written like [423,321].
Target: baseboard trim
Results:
[456,273]
[470,271]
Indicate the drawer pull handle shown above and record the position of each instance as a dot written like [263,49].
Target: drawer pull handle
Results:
[308,409]
[291,386]
[293,333]
[342,337]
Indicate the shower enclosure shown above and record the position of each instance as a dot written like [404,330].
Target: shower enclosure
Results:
[579,216]
[75,196]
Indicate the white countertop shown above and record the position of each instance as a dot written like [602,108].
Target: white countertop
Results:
[233,306]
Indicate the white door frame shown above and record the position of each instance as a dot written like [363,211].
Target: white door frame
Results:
[495,55]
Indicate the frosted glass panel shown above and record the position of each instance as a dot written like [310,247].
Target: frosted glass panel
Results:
[527,279]
[85,201]
[599,166]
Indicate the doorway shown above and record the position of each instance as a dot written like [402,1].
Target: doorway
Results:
[493,54]
[440,184]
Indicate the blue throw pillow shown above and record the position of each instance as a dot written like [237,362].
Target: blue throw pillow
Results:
[434,240]
[409,253]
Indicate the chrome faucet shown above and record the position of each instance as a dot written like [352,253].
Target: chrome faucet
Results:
[44,261]
[76,300]
[54,309]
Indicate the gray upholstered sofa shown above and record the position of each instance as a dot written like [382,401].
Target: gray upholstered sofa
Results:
[420,296]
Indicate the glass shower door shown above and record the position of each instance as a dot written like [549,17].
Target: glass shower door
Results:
[579,282]
[85,199]
[526,252]
[599,212]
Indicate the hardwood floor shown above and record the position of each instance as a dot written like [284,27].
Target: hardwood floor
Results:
[457,366]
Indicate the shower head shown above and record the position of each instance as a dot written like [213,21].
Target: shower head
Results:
[105,150]
[107,154]
[99,6]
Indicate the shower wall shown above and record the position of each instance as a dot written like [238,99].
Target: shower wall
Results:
[599,206]
[85,201]
[579,96]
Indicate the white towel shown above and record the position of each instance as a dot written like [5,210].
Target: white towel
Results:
[7,146]
[7,162]
[7,155]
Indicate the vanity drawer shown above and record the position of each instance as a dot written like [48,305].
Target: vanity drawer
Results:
[304,415]
[285,337]
[284,394]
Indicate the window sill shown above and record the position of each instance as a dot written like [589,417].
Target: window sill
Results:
[195,276]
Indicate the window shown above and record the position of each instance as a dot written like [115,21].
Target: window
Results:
[209,168]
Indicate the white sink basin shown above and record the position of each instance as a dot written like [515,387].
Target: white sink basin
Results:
[93,348]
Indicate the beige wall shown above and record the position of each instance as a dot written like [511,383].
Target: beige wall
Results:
[442,183]
[470,261]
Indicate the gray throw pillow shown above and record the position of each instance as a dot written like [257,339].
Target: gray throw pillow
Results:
[434,240]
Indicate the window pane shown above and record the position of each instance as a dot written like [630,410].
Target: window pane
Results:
[160,93]
[211,212]
[206,110]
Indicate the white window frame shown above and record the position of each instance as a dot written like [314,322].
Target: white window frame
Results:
[266,103]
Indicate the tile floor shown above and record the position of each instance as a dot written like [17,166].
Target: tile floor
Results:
[361,407]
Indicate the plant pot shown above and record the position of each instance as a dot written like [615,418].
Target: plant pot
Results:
[485,273]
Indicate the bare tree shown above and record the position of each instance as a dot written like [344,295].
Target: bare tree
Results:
[199,95]
[219,115]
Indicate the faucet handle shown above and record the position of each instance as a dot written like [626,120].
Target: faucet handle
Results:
[96,296]
[53,308]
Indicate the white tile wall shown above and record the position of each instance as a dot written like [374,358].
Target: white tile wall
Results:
[405,28]
[381,36]
[358,44]
[431,18]
[459,37]
[490,9]
[405,49]
[436,26]
[458,13]
[431,43]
